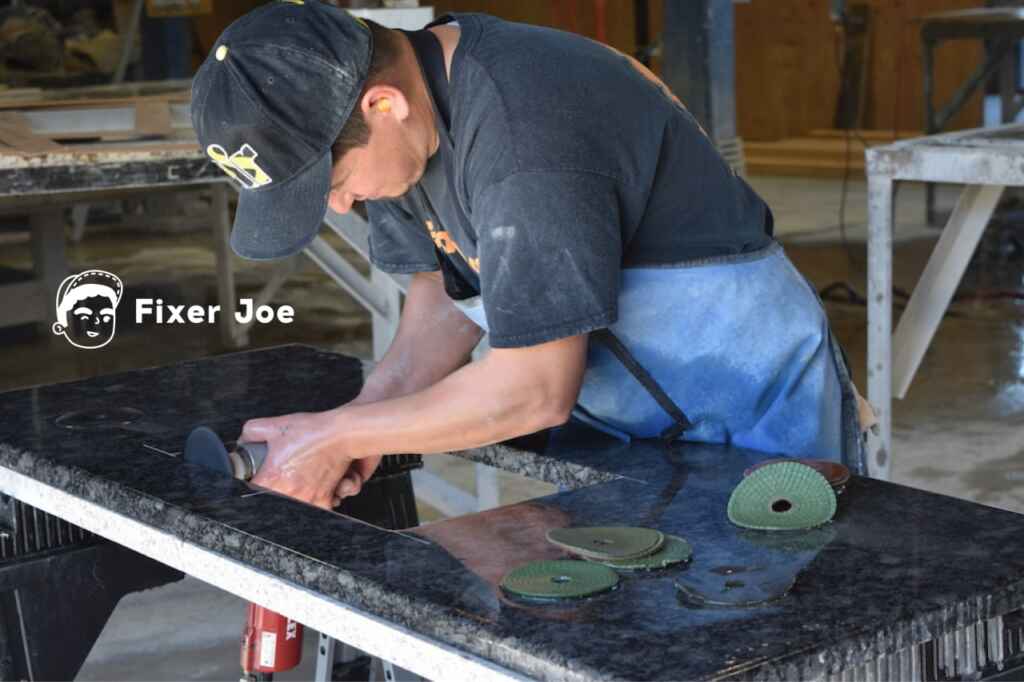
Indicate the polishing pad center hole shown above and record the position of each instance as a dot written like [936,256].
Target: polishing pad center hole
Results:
[561,579]
[781,506]
[603,542]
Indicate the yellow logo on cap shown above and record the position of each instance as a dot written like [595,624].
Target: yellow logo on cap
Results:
[241,165]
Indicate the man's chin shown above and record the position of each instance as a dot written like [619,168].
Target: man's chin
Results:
[398,194]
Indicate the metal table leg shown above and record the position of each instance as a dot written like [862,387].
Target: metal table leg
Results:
[928,58]
[230,335]
[880,219]
[938,283]
[49,260]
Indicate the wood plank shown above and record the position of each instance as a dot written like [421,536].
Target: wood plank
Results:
[868,134]
[17,136]
[153,117]
[826,144]
[90,103]
[804,168]
[107,91]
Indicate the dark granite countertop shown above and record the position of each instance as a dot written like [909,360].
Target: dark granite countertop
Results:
[897,565]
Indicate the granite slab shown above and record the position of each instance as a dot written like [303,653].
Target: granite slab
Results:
[896,567]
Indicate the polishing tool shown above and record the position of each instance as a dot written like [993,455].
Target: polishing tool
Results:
[782,496]
[205,448]
[271,642]
[675,550]
[838,475]
[562,579]
[603,543]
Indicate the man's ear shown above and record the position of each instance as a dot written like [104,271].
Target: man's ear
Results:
[384,100]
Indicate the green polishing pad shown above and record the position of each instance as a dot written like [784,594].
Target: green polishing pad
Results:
[559,579]
[782,496]
[674,551]
[605,543]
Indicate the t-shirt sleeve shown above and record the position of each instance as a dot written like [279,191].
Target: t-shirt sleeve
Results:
[398,243]
[550,249]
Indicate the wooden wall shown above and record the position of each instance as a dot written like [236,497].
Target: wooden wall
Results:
[578,16]
[787,79]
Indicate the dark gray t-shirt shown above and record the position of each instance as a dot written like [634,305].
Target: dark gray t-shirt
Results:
[560,164]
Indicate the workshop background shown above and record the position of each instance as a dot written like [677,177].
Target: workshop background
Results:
[793,92]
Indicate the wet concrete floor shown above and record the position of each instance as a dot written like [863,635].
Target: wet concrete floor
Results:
[958,432]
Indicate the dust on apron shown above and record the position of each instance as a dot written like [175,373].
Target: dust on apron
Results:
[730,350]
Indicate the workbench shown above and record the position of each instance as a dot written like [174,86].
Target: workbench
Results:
[73,147]
[903,584]
[88,144]
[985,161]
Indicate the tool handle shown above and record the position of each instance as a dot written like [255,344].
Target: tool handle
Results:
[256,453]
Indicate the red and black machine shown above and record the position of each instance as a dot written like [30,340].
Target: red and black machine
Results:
[272,642]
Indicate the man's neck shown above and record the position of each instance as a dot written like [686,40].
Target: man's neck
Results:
[448,36]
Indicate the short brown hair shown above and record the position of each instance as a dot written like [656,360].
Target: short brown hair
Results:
[386,51]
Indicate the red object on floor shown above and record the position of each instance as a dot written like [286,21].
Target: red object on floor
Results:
[271,643]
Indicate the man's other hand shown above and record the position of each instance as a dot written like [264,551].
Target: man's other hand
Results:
[302,461]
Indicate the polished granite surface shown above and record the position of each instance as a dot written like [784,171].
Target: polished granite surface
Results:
[895,567]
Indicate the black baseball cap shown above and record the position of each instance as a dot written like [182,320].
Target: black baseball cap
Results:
[268,103]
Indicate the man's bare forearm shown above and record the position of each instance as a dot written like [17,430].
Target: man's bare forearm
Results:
[434,339]
[510,393]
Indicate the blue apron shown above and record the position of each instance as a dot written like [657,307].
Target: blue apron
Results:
[733,350]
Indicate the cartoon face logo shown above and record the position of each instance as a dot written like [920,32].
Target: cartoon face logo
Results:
[87,308]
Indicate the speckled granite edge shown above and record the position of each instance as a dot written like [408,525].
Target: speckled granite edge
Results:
[423,618]
[436,622]
[869,647]
[552,470]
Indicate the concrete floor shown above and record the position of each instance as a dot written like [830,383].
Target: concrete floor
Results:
[957,433]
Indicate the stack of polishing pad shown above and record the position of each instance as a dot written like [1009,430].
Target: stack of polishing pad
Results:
[776,495]
[604,548]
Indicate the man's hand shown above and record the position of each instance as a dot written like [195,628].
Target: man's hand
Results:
[359,472]
[302,460]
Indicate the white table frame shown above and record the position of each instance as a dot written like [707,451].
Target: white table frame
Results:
[984,160]
[391,642]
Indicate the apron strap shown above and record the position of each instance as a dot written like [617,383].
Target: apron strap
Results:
[607,339]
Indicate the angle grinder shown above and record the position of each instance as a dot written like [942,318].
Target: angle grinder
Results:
[271,642]
[205,448]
